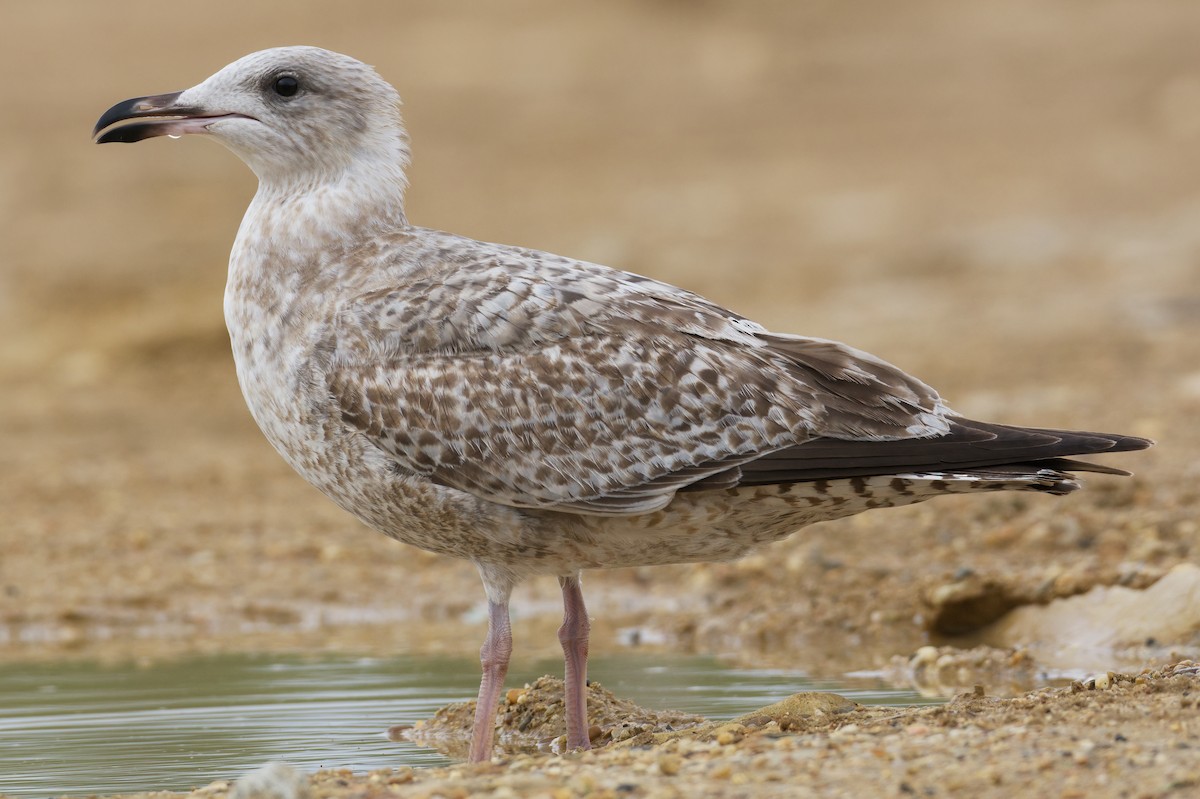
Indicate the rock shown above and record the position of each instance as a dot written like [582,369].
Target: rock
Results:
[1105,618]
[806,704]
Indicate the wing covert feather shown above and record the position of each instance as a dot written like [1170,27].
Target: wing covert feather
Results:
[568,386]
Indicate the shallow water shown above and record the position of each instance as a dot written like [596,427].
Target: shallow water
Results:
[83,728]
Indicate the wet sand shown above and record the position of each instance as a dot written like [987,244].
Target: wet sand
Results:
[1000,198]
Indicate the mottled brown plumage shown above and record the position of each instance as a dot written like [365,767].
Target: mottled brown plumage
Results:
[529,412]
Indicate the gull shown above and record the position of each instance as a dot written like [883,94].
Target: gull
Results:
[536,414]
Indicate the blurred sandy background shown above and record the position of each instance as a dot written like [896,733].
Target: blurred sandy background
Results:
[1001,197]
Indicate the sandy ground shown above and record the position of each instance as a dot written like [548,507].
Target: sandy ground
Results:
[1002,198]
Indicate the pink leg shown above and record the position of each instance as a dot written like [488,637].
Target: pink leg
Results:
[497,648]
[574,638]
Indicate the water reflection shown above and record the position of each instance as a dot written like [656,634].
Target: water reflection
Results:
[82,728]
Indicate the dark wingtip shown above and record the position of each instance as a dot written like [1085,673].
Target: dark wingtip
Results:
[1132,443]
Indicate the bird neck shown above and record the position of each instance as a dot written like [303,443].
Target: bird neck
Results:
[297,234]
[361,198]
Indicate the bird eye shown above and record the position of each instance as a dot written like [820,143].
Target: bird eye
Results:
[286,86]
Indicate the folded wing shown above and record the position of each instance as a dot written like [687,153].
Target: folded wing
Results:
[568,386]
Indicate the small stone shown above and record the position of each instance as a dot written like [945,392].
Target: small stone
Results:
[669,765]
[397,732]
[730,734]
[582,784]
[514,695]
[924,657]
[272,781]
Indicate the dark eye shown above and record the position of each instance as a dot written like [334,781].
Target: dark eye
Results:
[286,86]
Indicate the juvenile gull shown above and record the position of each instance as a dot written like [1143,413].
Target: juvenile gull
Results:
[529,412]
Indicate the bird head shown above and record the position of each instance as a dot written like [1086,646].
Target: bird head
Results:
[296,115]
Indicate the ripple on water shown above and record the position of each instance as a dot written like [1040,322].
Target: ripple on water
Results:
[84,728]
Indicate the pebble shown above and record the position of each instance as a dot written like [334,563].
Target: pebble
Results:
[273,780]
[397,731]
[721,771]
[669,764]
[925,656]
[401,775]
[730,734]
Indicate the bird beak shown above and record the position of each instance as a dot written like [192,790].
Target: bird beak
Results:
[165,117]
